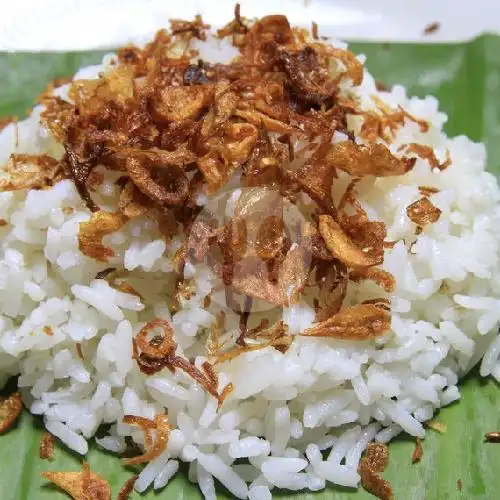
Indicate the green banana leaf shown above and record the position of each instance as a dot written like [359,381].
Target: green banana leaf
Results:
[456,465]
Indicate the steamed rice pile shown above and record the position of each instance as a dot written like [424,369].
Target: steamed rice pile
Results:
[69,336]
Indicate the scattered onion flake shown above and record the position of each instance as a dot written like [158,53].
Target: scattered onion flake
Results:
[422,212]
[375,460]
[84,485]
[427,190]
[132,202]
[275,336]
[427,153]
[161,427]
[359,322]
[382,278]
[46,450]
[332,281]
[93,231]
[375,159]
[342,247]
[436,425]
[157,353]
[23,171]
[375,125]
[127,488]
[492,437]
[418,453]
[10,409]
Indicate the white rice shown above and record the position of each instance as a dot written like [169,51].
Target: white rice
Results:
[286,408]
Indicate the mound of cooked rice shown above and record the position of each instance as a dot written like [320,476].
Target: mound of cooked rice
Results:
[71,313]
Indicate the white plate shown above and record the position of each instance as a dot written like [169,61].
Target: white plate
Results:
[33,25]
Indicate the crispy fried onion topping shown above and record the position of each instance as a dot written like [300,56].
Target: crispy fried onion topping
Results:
[93,231]
[422,212]
[174,129]
[154,448]
[159,352]
[24,171]
[46,449]
[132,202]
[127,488]
[374,461]
[418,452]
[275,336]
[359,322]
[386,122]
[10,409]
[84,485]
[427,153]
[382,278]
[374,159]
[344,248]
[157,100]
[164,184]
[332,278]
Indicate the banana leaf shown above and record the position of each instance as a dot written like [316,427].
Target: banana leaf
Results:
[457,464]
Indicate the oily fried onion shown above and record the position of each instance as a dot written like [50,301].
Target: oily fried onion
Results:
[332,279]
[93,231]
[382,278]
[269,30]
[423,212]
[367,235]
[281,344]
[418,453]
[241,138]
[427,153]
[316,177]
[200,238]
[30,172]
[46,450]
[214,169]
[226,154]
[159,353]
[376,457]
[225,101]
[127,488]
[177,104]
[270,124]
[251,275]
[270,237]
[359,322]
[161,348]
[437,426]
[427,190]
[374,159]
[79,170]
[353,68]
[161,428]
[132,202]
[10,409]
[374,461]
[165,186]
[174,128]
[237,28]
[189,29]
[310,82]
[315,244]
[276,336]
[84,485]
[343,248]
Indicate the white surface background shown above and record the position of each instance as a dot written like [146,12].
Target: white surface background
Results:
[33,25]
